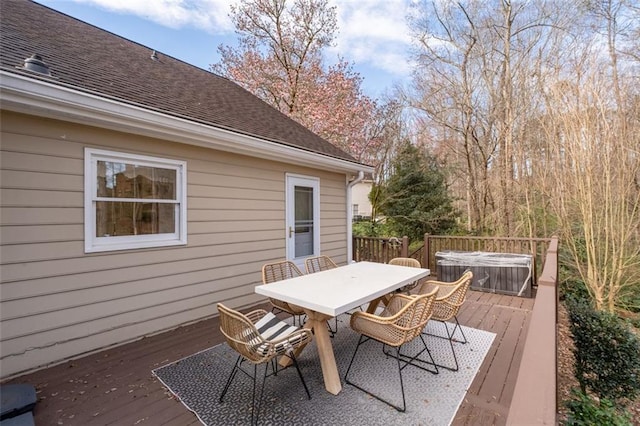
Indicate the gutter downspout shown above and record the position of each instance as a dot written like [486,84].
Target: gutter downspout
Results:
[350,186]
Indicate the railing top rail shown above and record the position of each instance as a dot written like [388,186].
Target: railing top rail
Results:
[538,366]
[459,237]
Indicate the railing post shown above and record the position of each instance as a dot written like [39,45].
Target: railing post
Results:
[426,251]
[405,247]
[353,248]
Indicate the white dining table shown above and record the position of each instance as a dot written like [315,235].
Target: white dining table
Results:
[326,294]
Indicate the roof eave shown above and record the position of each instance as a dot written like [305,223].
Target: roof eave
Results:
[32,96]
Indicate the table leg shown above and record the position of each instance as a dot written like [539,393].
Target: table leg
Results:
[373,305]
[318,322]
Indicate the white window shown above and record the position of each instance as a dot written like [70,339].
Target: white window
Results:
[133,201]
[355,210]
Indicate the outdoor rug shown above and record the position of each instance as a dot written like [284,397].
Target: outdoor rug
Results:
[198,380]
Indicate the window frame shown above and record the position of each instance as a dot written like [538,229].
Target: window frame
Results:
[92,243]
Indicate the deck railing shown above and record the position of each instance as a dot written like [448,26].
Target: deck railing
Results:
[534,399]
[535,395]
[384,249]
[380,250]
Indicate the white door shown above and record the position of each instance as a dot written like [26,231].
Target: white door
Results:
[303,218]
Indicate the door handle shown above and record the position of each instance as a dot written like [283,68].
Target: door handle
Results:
[291,231]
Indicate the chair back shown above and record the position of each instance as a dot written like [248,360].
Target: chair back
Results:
[415,318]
[402,320]
[241,335]
[319,263]
[450,295]
[410,262]
[405,261]
[277,271]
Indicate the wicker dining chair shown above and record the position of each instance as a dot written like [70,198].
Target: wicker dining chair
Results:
[260,337]
[319,263]
[277,271]
[322,263]
[410,262]
[401,321]
[450,297]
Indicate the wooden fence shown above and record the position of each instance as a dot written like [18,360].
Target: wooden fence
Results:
[384,249]
[380,250]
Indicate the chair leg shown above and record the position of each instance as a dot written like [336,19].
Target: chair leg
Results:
[295,362]
[404,402]
[449,337]
[415,360]
[402,409]
[360,341]
[236,366]
[255,411]
[459,327]
[456,326]
[332,331]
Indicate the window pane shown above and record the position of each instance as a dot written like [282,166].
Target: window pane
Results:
[123,218]
[156,183]
[122,180]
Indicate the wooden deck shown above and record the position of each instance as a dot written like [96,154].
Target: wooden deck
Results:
[115,386]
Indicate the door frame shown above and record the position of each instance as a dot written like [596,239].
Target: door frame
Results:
[291,181]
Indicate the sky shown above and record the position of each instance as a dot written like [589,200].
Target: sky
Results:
[373,35]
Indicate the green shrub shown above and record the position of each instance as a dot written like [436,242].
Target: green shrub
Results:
[607,353]
[585,411]
[573,288]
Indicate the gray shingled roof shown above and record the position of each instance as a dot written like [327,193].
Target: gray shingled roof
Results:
[89,59]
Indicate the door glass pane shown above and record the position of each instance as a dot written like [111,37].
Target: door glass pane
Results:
[303,221]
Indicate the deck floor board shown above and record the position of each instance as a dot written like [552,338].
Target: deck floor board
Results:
[115,386]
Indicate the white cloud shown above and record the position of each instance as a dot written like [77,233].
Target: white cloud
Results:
[208,15]
[374,32]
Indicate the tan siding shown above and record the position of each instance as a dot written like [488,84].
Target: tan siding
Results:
[41,163]
[235,193]
[42,181]
[40,216]
[39,198]
[40,234]
[58,302]
[210,203]
[197,270]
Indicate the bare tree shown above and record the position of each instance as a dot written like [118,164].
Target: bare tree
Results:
[474,62]
[594,136]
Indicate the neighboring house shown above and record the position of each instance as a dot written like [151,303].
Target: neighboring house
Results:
[361,206]
[138,190]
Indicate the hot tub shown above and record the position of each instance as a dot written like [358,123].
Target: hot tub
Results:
[505,273]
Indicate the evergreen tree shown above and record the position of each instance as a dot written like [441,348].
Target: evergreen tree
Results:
[416,197]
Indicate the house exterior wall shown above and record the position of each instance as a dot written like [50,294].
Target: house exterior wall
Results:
[57,302]
[360,196]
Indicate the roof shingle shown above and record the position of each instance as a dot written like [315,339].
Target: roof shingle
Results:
[89,59]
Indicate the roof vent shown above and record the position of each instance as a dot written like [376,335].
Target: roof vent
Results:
[36,64]
[154,55]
